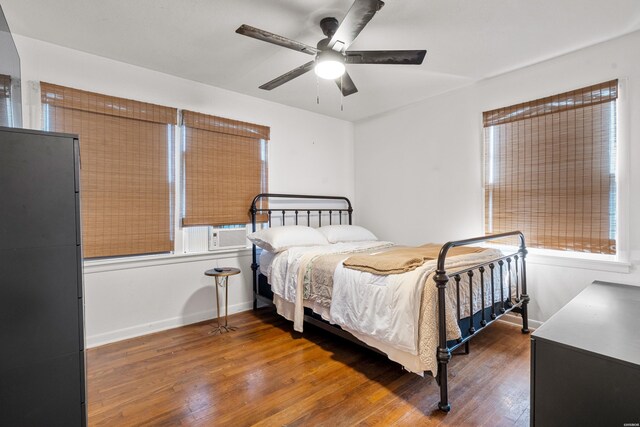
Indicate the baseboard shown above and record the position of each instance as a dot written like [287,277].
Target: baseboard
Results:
[175,322]
[517,320]
[161,325]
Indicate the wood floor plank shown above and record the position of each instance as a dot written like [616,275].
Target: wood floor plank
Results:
[266,374]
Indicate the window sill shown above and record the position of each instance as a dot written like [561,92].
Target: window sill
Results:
[570,259]
[612,266]
[143,261]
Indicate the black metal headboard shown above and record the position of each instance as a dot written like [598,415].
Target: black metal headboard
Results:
[255,210]
[294,213]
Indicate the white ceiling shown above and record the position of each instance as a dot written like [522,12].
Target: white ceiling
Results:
[466,40]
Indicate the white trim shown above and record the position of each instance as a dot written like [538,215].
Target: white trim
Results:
[176,322]
[623,169]
[34,105]
[162,325]
[516,320]
[612,266]
[587,261]
[178,231]
[113,264]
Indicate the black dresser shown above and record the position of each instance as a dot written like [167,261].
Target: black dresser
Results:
[585,360]
[42,364]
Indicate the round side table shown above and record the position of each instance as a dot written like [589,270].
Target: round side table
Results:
[221,275]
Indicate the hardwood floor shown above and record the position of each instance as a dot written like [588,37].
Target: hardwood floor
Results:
[265,374]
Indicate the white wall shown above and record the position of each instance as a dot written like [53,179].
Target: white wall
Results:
[308,153]
[407,190]
[418,169]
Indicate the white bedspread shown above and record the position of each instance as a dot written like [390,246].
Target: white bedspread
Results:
[388,308]
[384,308]
[285,266]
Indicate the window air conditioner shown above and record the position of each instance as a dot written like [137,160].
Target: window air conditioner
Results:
[225,238]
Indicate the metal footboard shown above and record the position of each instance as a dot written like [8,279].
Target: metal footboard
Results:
[509,263]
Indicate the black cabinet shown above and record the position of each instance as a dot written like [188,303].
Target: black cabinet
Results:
[585,360]
[42,378]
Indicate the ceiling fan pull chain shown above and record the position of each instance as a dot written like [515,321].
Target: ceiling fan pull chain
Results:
[317,91]
[341,93]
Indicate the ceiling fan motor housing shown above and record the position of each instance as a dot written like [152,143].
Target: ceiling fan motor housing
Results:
[329,26]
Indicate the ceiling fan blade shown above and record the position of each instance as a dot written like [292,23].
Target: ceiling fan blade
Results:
[296,72]
[356,19]
[266,36]
[402,57]
[346,85]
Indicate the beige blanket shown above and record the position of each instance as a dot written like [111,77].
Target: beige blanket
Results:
[318,280]
[402,259]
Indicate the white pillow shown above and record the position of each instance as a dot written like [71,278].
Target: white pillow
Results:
[278,239]
[346,233]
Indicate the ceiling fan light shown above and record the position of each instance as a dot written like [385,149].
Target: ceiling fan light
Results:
[329,65]
[329,70]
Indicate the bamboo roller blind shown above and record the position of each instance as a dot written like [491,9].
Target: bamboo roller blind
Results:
[5,94]
[225,167]
[125,149]
[550,170]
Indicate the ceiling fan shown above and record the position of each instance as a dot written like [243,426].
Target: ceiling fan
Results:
[331,53]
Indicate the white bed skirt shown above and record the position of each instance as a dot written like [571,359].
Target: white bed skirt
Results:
[410,362]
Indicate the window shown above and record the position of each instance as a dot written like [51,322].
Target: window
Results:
[550,170]
[5,101]
[126,150]
[224,167]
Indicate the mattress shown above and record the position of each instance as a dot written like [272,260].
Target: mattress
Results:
[265,260]
[396,314]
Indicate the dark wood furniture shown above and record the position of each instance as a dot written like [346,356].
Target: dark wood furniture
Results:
[42,363]
[221,276]
[585,360]
[296,212]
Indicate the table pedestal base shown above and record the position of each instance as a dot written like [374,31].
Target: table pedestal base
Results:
[222,329]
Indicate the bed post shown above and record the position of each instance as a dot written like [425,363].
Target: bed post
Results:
[254,260]
[524,296]
[443,354]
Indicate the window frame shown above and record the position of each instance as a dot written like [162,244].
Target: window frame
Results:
[178,254]
[618,262]
[118,115]
[224,136]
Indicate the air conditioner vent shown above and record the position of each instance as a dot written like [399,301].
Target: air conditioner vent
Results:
[196,239]
[224,238]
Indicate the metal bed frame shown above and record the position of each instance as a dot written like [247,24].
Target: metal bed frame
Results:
[476,322]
